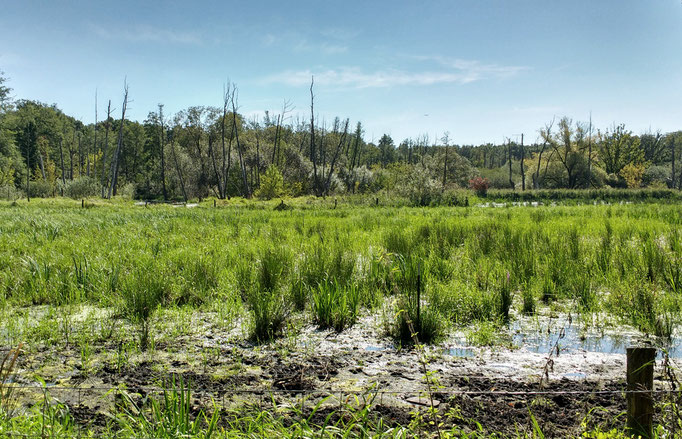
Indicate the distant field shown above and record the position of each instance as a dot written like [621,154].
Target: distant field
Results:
[262,274]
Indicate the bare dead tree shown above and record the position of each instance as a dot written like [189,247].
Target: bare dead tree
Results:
[222,188]
[242,165]
[323,149]
[94,142]
[80,154]
[339,147]
[40,159]
[546,135]
[162,153]
[71,152]
[446,141]
[61,159]
[256,128]
[119,144]
[509,148]
[178,169]
[105,147]
[312,135]
[276,150]
[589,153]
[672,156]
[523,169]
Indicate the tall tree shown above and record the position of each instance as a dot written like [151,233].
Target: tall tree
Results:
[105,148]
[119,143]
[242,165]
[162,152]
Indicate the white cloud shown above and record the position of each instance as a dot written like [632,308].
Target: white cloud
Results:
[457,72]
[144,33]
[326,48]
[475,69]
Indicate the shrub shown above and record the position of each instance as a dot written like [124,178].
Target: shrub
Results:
[632,174]
[271,184]
[40,189]
[82,187]
[480,185]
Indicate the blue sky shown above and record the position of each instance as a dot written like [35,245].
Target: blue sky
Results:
[480,70]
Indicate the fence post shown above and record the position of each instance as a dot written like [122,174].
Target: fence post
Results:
[640,370]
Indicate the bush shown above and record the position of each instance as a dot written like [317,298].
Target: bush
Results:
[10,192]
[271,184]
[82,187]
[40,189]
[480,185]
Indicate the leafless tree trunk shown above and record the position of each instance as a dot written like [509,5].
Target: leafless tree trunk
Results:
[94,143]
[71,146]
[257,129]
[179,171]
[80,155]
[276,150]
[162,136]
[509,147]
[247,192]
[222,187]
[61,161]
[119,143]
[42,164]
[589,153]
[105,147]
[446,140]
[546,138]
[523,169]
[339,147]
[312,136]
[28,174]
[672,155]
[323,153]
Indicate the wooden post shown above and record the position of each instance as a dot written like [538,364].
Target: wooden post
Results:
[640,370]
[214,203]
[82,203]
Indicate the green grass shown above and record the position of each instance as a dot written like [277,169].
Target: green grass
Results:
[328,263]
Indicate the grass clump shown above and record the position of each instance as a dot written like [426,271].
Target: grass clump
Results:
[264,292]
[415,319]
[335,306]
[141,294]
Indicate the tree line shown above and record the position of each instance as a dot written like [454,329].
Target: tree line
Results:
[205,151]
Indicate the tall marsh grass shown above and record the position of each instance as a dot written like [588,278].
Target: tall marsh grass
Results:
[52,252]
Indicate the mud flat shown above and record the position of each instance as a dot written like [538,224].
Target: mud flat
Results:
[495,387]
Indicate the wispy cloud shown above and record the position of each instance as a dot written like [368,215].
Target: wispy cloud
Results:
[145,33]
[474,69]
[340,33]
[457,72]
[296,42]
[326,48]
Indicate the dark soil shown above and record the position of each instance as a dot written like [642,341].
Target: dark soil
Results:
[558,414]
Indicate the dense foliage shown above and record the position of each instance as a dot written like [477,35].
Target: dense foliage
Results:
[213,151]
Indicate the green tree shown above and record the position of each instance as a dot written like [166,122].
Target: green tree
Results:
[619,148]
[271,184]
[387,149]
